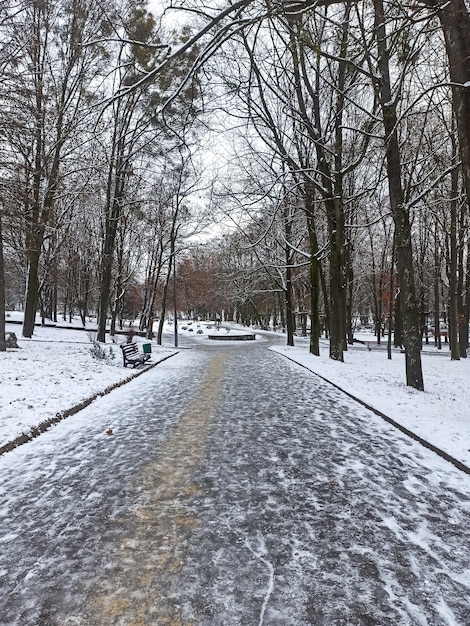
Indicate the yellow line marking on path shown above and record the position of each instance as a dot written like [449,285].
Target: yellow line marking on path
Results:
[142,585]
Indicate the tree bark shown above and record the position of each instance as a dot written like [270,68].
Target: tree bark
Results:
[398,325]
[331,183]
[466,311]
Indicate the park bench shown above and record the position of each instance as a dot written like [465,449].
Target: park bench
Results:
[132,356]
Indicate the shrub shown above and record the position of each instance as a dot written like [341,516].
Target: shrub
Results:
[11,340]
[99,353]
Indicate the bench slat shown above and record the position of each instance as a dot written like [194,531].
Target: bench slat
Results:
[129,348]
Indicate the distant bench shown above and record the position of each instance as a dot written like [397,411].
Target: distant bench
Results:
[132,356]
[233,337]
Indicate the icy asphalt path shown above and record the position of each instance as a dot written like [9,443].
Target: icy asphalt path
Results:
[235,490]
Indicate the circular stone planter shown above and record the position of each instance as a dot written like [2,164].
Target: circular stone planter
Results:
[229,337]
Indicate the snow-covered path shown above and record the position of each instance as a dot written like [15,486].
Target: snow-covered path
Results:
[228,496]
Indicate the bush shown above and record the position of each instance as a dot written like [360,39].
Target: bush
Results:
[11,340]
[99,353]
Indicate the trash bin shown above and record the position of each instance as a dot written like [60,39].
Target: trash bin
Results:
[147,348]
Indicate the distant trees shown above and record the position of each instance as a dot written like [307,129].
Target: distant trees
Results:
[349,165]
[45,102]
[360,60]
[149,123]
[79,164]
[128,123]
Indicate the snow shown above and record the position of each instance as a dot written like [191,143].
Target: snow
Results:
[55,371]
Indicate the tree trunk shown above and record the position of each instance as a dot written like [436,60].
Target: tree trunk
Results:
[376,296]
[105,290]
[289,310]
[452,265]
[149,328]
[165,286]
[461,317]
[315,327]
[437,285]
[326,304]
[282,312]
[112,325]
[331,187]
[335,207]
[165,303]
[163,313]
[3,346]
[337,299]
[390,302]
[115,190]
[349,297]
[151,286]
[31,293]
[454,17]
[455,22]
[410,316]
[288,289]
[466,311]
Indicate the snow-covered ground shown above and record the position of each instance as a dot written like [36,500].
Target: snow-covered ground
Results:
[56,370]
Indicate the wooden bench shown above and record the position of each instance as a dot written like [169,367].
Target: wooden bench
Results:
[132,356]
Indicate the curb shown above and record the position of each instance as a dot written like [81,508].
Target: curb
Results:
[426,444]
[35,431]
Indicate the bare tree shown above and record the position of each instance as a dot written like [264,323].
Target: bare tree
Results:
[400,212]
[45,101]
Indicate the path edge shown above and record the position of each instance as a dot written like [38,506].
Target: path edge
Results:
[43,426]
[426,444]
